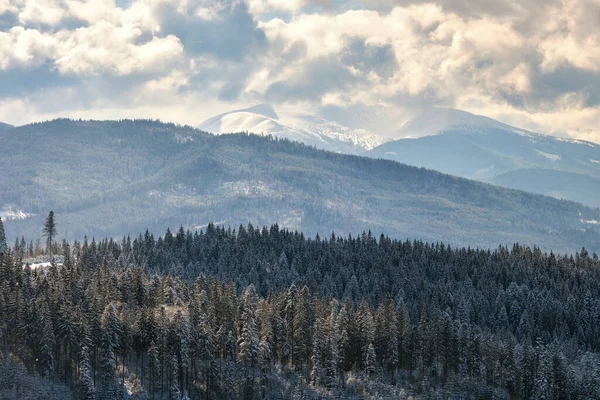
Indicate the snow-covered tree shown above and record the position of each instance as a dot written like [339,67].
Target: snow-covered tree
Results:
[248,339]
[88,391]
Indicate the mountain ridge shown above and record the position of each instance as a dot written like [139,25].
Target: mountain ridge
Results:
[121,177]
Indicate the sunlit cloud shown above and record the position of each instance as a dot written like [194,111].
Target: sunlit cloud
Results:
[533,64]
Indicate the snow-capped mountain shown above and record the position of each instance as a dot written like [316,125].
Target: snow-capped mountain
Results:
[477,147]
[451,141]
[313,130]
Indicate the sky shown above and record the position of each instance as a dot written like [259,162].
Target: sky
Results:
[534,64]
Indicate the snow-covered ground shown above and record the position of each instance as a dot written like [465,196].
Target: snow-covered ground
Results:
[591,222]
[42,262]
[551,157]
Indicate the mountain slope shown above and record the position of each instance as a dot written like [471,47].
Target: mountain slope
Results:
[4,126]
[480,148]
[309,129]
[559,184]
[114,178]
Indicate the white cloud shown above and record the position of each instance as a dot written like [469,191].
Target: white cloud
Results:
[106,48]
[495,57]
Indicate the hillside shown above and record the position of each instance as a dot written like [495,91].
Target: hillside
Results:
[267,313]
[114,178]
[447,140]
[559,184]
[480,148]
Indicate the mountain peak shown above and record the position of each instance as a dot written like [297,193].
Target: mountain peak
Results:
[263,109]
[432,121]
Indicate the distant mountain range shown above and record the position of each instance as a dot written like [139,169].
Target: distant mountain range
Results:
[480,148]
[113,178]
[4,126]
[447,140]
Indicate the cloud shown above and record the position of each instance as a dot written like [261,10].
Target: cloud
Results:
[534,63]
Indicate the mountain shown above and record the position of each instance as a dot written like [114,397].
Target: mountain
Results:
[477,147]
[566,185]
[4,126]
[113,178]
[306,128]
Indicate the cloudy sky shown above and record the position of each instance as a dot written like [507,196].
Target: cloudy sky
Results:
[534,64]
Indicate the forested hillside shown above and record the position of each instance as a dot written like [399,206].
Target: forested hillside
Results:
[115,178]
[480,148]
[268,313]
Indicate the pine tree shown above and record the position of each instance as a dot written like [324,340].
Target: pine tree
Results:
[317,375]
[365,331]
[111,333]
[49,232]
[370,361]
[302,322]
[248,340]
[3,246]
[48,344]
[332,358]
[88,391]
[154,367]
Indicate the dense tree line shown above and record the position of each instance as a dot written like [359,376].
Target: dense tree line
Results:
[260,313]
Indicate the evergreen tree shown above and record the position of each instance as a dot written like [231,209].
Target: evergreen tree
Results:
[317,373]
[88,391]
[111,333]
[3,246]
[370,362]
[49,232]
[248,340]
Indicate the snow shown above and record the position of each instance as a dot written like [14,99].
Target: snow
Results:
[484,171]
[551,157]
[595,161]
[306,128]
[590,221]
[11,212]
[577,141]
[40,265]
[435,120]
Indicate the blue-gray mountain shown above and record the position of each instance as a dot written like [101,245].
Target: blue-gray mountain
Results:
[447,140]
[114,178]
[480,148]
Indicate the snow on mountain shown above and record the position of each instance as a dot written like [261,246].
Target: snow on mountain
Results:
[451,141]
[306,128]
[11,212]
[477,147]
[433,121]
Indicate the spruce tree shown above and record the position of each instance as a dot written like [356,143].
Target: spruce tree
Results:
[248,339]
[3,245]
[88,391]
[49,232]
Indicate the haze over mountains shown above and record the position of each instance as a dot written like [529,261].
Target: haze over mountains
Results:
[447,140]
[113,178]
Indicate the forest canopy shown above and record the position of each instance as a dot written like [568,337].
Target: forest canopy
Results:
[255,313]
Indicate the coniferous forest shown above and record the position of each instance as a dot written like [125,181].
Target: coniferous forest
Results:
[266,313]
